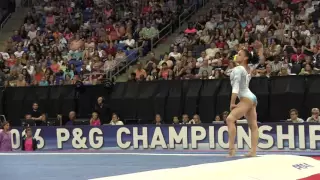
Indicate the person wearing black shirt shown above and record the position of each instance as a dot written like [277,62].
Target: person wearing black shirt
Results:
[36,115]
[261,68]
[103,110]
[315,16]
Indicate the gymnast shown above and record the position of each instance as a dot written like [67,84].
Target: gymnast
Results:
[240,78]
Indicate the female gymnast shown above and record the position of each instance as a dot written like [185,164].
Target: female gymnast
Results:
[240,78]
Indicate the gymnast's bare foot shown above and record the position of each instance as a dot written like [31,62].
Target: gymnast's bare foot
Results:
[232,153]
[251,154]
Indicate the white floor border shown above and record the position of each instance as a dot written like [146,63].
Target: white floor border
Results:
[90,154]
[269,167]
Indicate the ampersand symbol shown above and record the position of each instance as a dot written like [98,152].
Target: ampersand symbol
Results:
[78,141]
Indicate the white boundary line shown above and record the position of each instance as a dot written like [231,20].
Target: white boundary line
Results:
[89,154]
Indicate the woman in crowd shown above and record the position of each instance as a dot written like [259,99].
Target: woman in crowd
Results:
[116,120]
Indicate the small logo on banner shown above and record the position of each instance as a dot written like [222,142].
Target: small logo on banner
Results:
[302,166]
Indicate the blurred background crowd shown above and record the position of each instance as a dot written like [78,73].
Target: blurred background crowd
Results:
[62,42]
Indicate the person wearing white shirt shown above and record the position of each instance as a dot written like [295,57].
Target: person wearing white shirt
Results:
[115,120]
[5,55]
[62,42]
[130,42]
[309,7]
[175,53]
[304,31]
[262,27]
[232,41]
[294,117]
[315,118]
[30,68]
[210,25]
[201,59]
[211,52]
[32,33]
[19,53]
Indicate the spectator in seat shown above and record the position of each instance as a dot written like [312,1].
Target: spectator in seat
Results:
[191,29]
[175,54]
[314,116]
[153,75]
[283,72]
[28,143]
[21,81]
[196,119]
[205,75]
[298,56]
[148,32]
[188,75]
[268,72]
[276,65]
[129,42]
[225,115]
[175,120]
[307,70]
[36,115]
[164,71]
[201,59]
[211,25]
[132,77]
[95,121]
[217,118]
[185,119]
[157,119]
[139,71]
[261,68]
[116,120]
[205,67]
[72,117]
[294,117]
[211,52]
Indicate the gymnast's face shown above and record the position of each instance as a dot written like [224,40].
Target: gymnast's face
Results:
[241,57]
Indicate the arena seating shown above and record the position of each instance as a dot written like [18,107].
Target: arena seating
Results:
[89,41]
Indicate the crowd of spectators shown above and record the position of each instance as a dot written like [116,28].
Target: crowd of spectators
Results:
[63,42]
[283,37]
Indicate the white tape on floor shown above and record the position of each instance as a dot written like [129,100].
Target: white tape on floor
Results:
[269,167]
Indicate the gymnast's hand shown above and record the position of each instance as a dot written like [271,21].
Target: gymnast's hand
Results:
[232,106]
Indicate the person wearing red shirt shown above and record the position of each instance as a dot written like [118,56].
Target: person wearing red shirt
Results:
[164,72]
[55,67]
[111,49]
[220,44]
[109,27]
[146,9]
[249,26]
[298,56]
[11,61]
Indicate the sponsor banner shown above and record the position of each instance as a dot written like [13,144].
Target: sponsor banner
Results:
[298,137]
